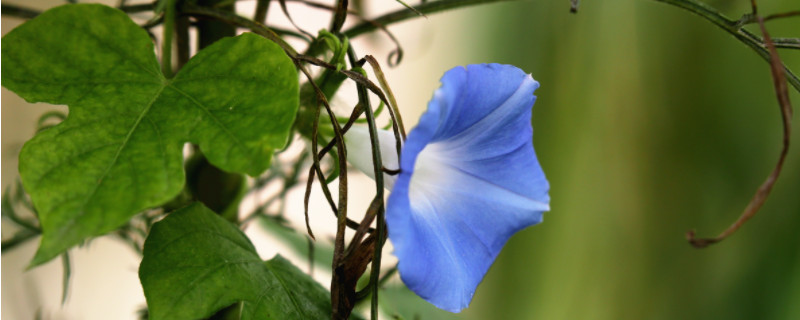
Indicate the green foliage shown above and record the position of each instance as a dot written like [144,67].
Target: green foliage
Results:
[401,303]
[120,149]
[196,263]
[322,252]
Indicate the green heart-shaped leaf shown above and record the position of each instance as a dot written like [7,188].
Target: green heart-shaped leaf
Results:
[196,263]
[120,150]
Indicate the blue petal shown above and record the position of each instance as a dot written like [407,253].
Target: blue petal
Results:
[469,181]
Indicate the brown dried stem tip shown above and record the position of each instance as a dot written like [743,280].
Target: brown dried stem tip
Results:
[782,92]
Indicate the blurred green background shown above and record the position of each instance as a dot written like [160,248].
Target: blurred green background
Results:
[650,122]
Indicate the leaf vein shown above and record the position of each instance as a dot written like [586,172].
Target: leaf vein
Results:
[216,120]
[163,148]
[121,54]
[289,292]
[69,160]
[122,146]
[204,275]
[212,232]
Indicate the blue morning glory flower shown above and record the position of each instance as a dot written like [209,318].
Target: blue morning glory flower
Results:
[469,179]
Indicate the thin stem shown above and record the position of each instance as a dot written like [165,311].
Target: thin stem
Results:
[787,43]
[182,40]
[310,256]
[357,111]
[125,237]
[136,8]
[23,223]
[339,16]
[19,12]
[285,10]
[152,23]
[341,211]
[10,212]
[751,18]
[316,168]
[17,239]
[289,180]
[67,266]
[397,53]
[259,211]
[782,15]
[782,93]
[363,80]
[310,183]
[377,166]
[356,242]
[404,14]
[376,67]
[242,22]
[262,7]
[285,32]
[166,44]
[386,276]
[210,31]
[361,295]
[733,28]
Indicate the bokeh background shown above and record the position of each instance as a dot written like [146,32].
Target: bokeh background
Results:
[650,122]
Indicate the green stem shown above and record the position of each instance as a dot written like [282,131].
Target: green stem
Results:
[136,8]
[339,16]
[751,40]
[242,22]
[19,12]
[67,266]
[376,68]
[748,38]
[262,8]
[23,223]
[287,32]
[166,44]
[182,40]
[786,43]
[211,30]
[377,167]
[10,212]
[18,239]
[386,276]
[404,14]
